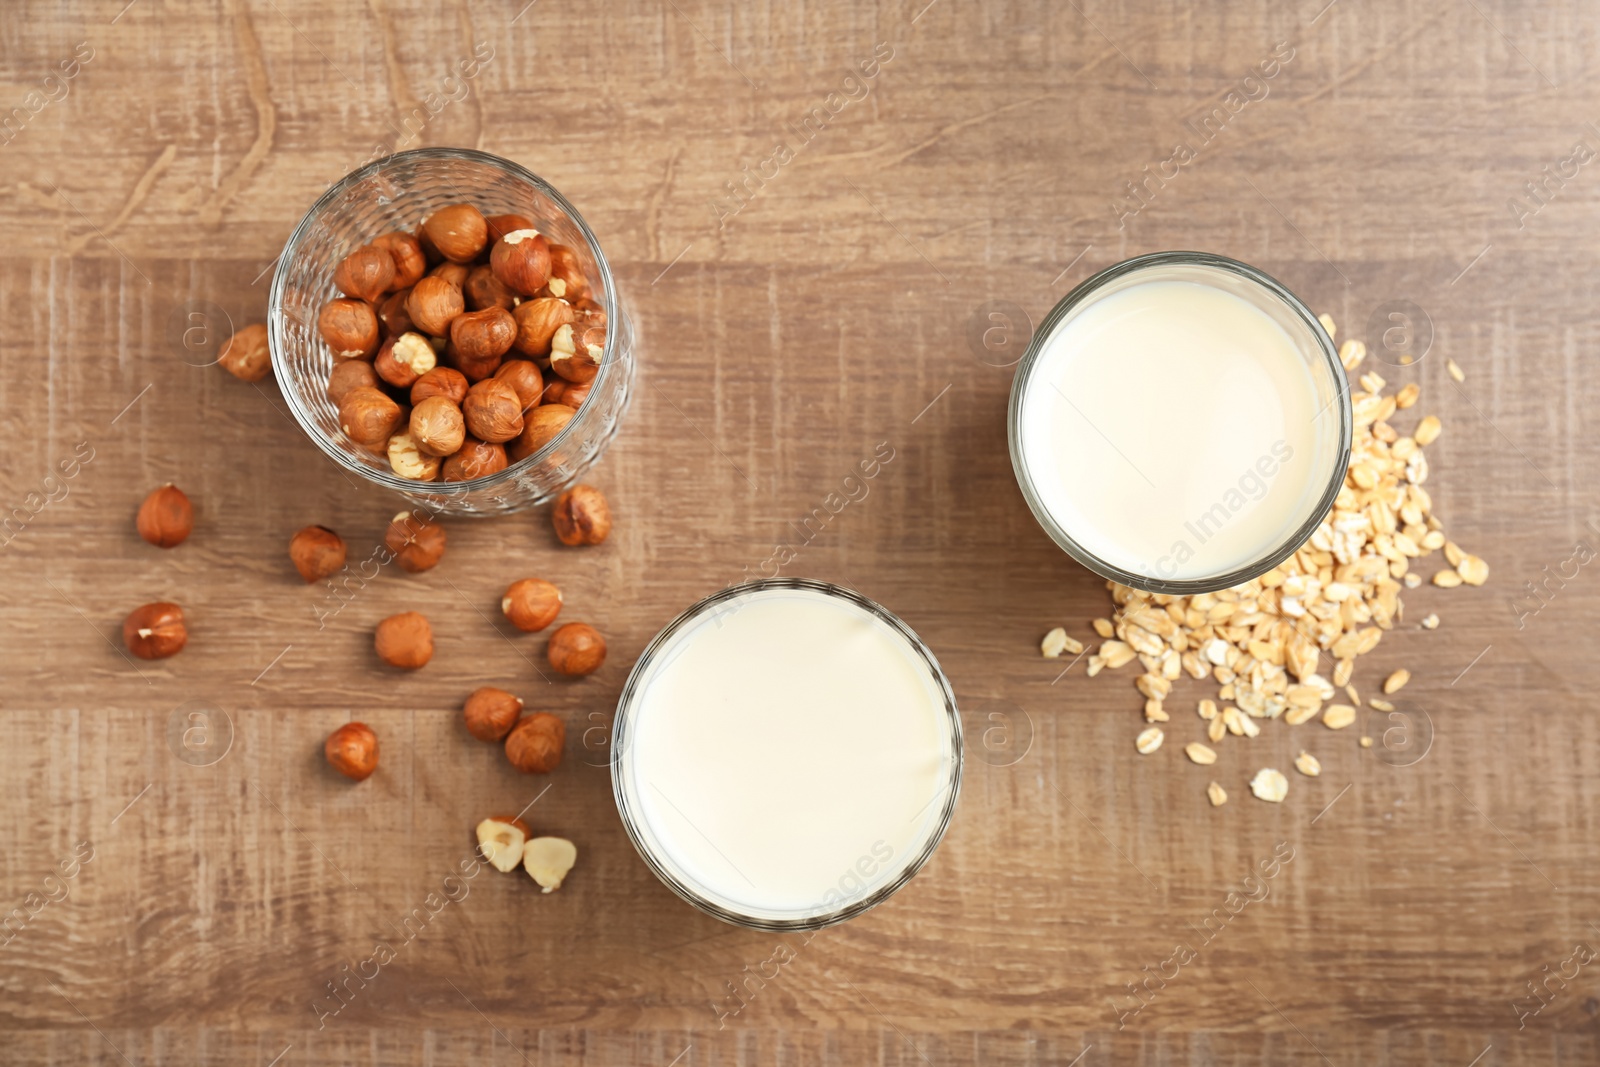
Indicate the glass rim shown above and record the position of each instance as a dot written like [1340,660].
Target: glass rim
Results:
[631,820]
[276,317]
[1081,294]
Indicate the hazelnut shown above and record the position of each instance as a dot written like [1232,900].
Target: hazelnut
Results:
[350,328]
[166,517]
[492,410]
[474,370]
[348,376]
[537,323]
[404,640]
[417,543]
[365,274]
[531,604]
[534,745]
[430,254]
[561,391]
[392,313]
[582,516]
[480,336]
[576,648]
[245,355]
[454,273]
[352,750]
[409,262]
[432,305]
[501,839]
[475,460]
[574,361]
[484,290]
[548,861]
[521,259]
[404,359]
[155,631]
[539,429]
[408,460]
[316,552]
[589,312]
[491,713]
[500,225]
[567,272]
[437,426]
[459,232]
[368,416]
[440,381]
[525,380]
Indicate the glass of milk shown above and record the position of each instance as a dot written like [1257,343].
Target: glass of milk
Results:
[1180,423]
[786,754]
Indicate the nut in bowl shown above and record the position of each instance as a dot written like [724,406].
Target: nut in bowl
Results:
[472,239]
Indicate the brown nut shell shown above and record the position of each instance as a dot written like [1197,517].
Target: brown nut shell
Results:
[368,417]
[440,381]
[531,604]
[437,426]
[582,516]
[404,641]
[410,263]
[490,713]
[476,459]
[350,375]
[493,411]
[366,274]
[349,327]
[458,231]
[576,649]
[155,631]
[246,355]
[535,744]
[352,750]
[537,322]
[539,429]
[316,552]
[433,305]
[165,517]
[521,259]
[417,542]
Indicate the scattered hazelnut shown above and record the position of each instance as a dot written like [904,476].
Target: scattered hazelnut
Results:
[476,459]
[245,355]
[500,225]
[582,516]
[155,631]
[166,517]
[567,272]
[478,337]
[316,552]
[454,273]
[350,375]
[539,429]
[525,380]
[548,860]
[408,460]
[459,232]
[493,411]
[484,290]
[576,649]
[392,313]
[440,381]
[501,839]
[404,359]
[521,259]
[437,426]
[531,604]
[433,304]
[365,274]
[350,328]
[574,361]
[490,713]
[368,416]
[417,543]
[534,745]
[409,262]
[352,750]
[404,640]
[537,323]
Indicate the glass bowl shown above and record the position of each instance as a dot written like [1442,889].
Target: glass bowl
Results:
[397,193]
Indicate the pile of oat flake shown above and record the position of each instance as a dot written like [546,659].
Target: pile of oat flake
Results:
[1263,641]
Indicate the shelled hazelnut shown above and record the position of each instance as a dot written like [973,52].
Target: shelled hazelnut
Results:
[479,339]
[476,459]
[245,355]
[404,359]
[566,274]
[366,274]
[433,304]
[537,322]
[417,542]
[368,416]
[352,750]
[484,290]
[409,262]
[408,460]
[350,375]
[521,259]
[458,231]
[392,313]
[155,631]
[316,552]
[493,411]
[526,380]
[582,516]
[501,839]
[350,328]
[437,426]
[165,517]
[576,649]
[568,394]
[440,381]
[539,429]
[490,713]
[404,641]
[531,604]
[500,225]
[575,360]
[534,744]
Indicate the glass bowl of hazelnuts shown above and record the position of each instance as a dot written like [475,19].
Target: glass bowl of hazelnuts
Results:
[443,323]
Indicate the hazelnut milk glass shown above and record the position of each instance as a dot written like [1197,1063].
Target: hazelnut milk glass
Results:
[787,754]
[1180,423]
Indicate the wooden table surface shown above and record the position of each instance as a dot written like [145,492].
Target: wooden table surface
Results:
[193,904]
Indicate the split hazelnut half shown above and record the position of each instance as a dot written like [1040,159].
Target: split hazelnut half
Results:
[316,552]
[404,641]
[408,460]
[166,517]
[501,839]
[548,860]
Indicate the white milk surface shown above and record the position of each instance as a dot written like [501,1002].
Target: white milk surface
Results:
[1171,428]
[789,754]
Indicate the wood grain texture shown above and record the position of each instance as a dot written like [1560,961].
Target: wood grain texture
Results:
[781,343]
